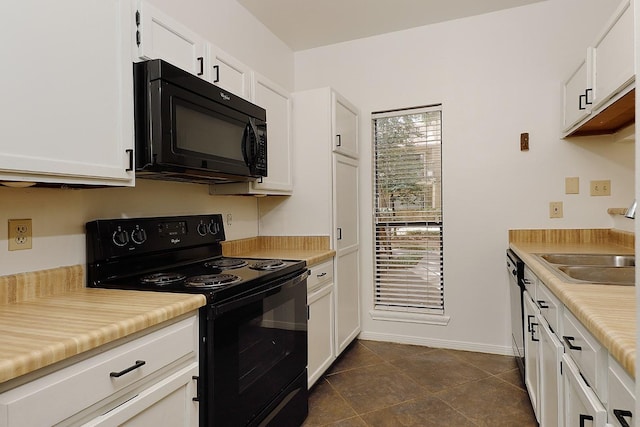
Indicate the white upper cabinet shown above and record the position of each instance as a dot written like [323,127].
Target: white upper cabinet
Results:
[577,97]
[277,101]
[345,118]
[67,92]
[159,36]
[603,81]
[613,56]
[229,73]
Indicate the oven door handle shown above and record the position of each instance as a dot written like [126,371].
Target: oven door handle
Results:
[252,297]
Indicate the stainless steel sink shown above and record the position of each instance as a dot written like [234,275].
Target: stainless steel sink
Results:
[591,259]
[601,269]
[597,274]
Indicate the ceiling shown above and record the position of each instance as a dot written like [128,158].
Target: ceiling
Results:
[305,24]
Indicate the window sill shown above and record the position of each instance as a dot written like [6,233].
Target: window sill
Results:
[398,316]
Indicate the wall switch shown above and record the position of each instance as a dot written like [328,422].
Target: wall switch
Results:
[555,209]
[572,185]
[524,142]
[601,188]
[20,234]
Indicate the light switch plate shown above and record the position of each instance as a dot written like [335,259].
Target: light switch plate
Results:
[601,188]
[572,185]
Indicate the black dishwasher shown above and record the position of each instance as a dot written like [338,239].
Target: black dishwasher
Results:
[515,268]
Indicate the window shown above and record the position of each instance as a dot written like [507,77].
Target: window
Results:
[408,212]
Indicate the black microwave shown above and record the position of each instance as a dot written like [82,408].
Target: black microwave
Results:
[187,129]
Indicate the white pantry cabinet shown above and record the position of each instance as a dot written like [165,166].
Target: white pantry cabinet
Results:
[67,92]
[150,380]
[325,198]
[279,180]
[321,334]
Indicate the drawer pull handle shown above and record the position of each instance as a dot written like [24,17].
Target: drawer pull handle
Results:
[568,341]
[620,415]
[533,332]
[542,303]
[529,317]
[321,274]
[583,418]
[138,364]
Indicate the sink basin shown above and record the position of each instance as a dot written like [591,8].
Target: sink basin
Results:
[598,274]
[601,269]
[591,259]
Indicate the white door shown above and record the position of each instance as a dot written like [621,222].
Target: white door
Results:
[229,73]
[345,127]
[577,99]
[347,245]
[321,332]
[551,396]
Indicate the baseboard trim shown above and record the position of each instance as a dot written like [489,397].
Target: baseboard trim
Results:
[437,343]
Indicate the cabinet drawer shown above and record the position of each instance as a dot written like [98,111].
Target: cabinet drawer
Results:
[91,380]
[550,307]
[320,274]
[587,353]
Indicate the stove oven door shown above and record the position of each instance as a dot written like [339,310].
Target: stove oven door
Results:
[257,355]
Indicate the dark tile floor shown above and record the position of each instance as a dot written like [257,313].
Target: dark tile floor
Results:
[385,384]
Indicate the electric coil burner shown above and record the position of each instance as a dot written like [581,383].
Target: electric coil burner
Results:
[253,329]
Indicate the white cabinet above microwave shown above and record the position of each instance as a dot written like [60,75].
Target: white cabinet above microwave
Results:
[67,92]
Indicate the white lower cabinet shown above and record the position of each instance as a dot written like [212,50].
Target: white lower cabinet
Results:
[581,405]
[531,352]
[321,336]
[571,379]
[150,380]
[621,392]
[550,390]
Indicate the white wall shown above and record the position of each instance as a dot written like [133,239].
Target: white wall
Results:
[497,75]
[59,215]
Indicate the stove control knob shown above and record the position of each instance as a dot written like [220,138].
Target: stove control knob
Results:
[214,227]
[120,237]
[202,229]
[139,235]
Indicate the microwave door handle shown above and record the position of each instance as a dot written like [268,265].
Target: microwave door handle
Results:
[250,145]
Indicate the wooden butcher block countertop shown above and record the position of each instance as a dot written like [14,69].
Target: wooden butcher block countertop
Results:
[608,312]
[49,316]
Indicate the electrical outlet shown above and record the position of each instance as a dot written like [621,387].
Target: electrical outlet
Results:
[601,188]
[229,219]
[20,234]
[555,210]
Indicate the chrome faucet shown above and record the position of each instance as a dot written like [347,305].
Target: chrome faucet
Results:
[631,212]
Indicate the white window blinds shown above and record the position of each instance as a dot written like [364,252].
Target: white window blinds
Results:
[408,210]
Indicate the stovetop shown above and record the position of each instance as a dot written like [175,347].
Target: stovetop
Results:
[175,254]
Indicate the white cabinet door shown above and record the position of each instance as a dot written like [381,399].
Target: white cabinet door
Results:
[346,244]
[277,101]
[613,55]
[321,332]
[159,36]
[345,126]
[229,73]
[550,386]
[621,392]
[531,351]
[576,96]
[67,92]
[581,405]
